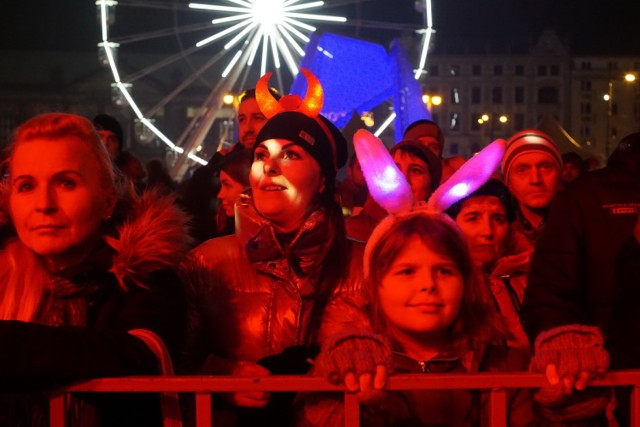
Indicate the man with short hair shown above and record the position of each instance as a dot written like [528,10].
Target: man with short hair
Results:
[250,119]
[531,168]
[110,132]
[430,135]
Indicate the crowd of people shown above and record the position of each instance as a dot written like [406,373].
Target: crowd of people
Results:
[261,263]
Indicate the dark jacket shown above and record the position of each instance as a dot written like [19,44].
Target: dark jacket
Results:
[128,284]
[250,298]
[428,407]
[573,265]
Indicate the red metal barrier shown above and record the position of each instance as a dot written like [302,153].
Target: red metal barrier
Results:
[203,386]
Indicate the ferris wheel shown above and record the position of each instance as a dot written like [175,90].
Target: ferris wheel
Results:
[178,51]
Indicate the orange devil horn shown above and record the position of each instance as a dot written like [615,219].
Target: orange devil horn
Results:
[313,100]
[267,103]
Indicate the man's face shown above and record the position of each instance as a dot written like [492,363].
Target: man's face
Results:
[432,144]
[570,172]
[250,121]
[110,140]
[533,179]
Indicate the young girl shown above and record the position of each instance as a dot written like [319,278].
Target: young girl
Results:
[429,313]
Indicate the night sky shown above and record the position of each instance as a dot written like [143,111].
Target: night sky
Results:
[590,26]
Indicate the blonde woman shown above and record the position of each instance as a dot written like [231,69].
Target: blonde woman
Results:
[87,270]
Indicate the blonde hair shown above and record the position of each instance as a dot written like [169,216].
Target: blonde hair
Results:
[22,274]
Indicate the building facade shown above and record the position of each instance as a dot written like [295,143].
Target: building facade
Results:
[523,88]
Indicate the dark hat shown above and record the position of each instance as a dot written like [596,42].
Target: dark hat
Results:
[237,164]
[422,152]
[318,136]
[627,153]
[492,187]
[424,127]
[525,142]
[107,122]
[572,157]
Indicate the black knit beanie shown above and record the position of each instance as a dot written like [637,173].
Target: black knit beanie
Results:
[318,136]
[107,122]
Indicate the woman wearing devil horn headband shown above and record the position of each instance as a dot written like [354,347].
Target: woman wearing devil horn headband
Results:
[428,309]
[265,289]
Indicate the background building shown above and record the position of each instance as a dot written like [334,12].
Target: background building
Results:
[495,93]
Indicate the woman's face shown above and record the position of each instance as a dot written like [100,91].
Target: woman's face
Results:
[285,181]
[57,202]
[230,189]
[421,293]
[483,221]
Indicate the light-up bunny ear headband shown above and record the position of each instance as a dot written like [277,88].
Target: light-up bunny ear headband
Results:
[389,187]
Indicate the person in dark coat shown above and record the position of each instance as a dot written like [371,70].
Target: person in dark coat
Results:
[572,290]
[87,276]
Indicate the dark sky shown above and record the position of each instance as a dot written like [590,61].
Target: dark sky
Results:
[591,26]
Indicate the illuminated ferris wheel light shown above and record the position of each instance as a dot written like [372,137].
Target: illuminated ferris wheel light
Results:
[270,23]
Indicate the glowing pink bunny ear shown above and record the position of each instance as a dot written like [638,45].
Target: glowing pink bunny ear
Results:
[387,185]
[471,176]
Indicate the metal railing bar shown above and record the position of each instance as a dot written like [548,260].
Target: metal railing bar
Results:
[282,383]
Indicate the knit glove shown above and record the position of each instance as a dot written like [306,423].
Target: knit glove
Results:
[354,351]
[572,349]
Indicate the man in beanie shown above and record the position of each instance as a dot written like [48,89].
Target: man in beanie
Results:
[573,299]
[531,168]
[429,134]
[422,169]
[111,134]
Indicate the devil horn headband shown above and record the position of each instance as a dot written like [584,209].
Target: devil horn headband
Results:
[310,106]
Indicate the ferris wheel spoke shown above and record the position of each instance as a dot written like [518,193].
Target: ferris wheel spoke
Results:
[299,24]
[152,4]
[151,35]
[288,57]
[274,51]
[296,32]
[291,41]
[265,50]
[186,82]
[392,26]
[143,72]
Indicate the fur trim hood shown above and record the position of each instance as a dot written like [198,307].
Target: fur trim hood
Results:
[153,237]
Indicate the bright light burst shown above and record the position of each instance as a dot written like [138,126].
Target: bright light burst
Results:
[276,26]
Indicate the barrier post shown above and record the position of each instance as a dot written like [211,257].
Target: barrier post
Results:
[351,410]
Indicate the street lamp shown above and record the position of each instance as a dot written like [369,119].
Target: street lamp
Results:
[486,120]
[608,97]
[432,100]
